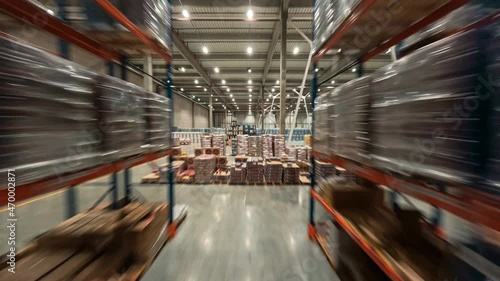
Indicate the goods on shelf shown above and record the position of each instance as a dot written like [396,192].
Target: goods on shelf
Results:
[48,119]
[158,112]
[414,129]
[238,174]
[324,170]
[291,173]
[254,146]
[99,244]
[121,114]
[255,170]
[206,141]
[451,23]
[267,146]
[322,131]
[274,172]
[279,145]
[204,166]
[350,119]
[328,15]
[151,16]
[492,167]
[242,142]
[219,141]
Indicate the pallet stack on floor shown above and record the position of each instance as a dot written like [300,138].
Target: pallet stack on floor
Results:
[238,174]
[242,144]
[291,173]
[99,244]
[204,166]
[255,170]
[274,172]
[279,145]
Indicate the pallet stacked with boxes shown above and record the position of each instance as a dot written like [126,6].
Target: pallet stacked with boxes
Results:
[242,144]
[255,170]
[274,172]
[255,146]
[279,145]
[204,167]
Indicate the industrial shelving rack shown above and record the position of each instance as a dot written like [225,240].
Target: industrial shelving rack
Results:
[29,13]
[477,208]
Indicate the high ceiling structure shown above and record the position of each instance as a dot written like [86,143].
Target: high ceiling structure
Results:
[211,53]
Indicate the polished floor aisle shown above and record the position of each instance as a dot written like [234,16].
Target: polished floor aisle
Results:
[241,233]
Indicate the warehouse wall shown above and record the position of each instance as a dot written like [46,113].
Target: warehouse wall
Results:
[271,120]
[183,115]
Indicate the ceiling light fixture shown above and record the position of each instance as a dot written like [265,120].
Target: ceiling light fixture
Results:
[205,49]
[250,99]
[249,50]
[272,90]
[250,90]
[233,99]
[249,81]
[216,99]
[216,69]
[228,90]
[316,70]
[185,13]
[333,82]
[277,82]
[354,70]
[204,89]
[223,82]
[267,99]
[231,95]
[249,70]
[339,50]
[183,69]
[250,14]
[196,81]
[182,89]
[250,95]
[295,50]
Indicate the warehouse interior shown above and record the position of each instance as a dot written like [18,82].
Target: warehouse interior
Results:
[265,140]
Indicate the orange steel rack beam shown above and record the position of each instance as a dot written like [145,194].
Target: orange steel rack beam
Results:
[358,238]
[28,12]
[474,209]
[37,188]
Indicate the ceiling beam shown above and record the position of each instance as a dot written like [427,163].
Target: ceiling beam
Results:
[189,56]
[270,51]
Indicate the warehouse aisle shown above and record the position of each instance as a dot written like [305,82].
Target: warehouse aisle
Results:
[241,233]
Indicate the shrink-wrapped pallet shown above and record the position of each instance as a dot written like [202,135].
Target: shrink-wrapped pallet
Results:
[351,113]
[328,15]
[219,141]
[158,113]
[321,139]
[291,173]
[274,172]
[267,146]
[242,144]
[425,114]
[254,146]
[238,174]
[302,154]
[204,167]
[279,145]
[206,141]
[492,167]
[255,170]
[48,119]
[121,114]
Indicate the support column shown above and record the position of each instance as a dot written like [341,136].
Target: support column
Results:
[210,112]
[148,68]
[127,174]
[263,117]
[283,18]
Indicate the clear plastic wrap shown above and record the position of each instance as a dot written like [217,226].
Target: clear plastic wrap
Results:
[158,112]
[492,167]
[454,21]
[122,120]
[152,16]
[425,115]
[351,107]
[328,15]
[48,118]
[321,138]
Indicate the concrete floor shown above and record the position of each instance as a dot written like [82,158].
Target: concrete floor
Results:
[232,233]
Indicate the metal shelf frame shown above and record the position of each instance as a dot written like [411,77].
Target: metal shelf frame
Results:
[33,15]
[477,207]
